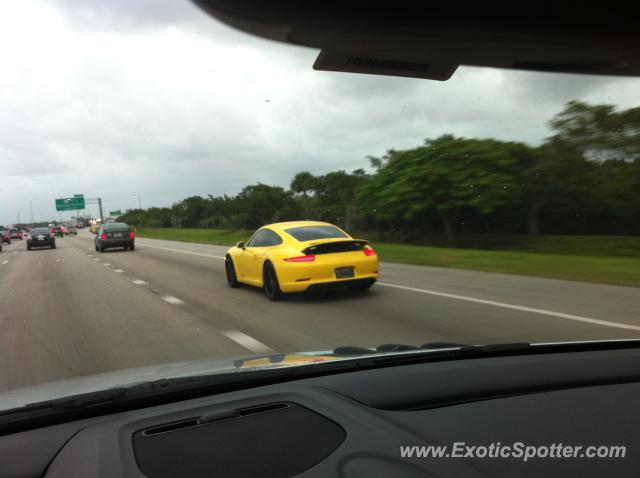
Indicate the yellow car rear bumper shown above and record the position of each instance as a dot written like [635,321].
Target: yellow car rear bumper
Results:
[302,286]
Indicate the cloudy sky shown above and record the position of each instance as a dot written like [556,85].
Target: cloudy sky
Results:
[153,99]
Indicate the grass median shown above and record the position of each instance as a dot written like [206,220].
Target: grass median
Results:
[602,261]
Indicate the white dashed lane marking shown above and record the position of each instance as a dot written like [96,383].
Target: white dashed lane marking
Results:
[4,262]
[118,270]
[246,341]
[172,300]
[106,264]
[139,282]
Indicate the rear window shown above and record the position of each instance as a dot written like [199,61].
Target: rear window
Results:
[40,230]
[116,225]
[311,233]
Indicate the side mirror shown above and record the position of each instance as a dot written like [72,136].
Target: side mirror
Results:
[240,245]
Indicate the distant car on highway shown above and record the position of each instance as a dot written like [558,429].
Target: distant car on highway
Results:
[15,233]
[300,256]
[58,231]
[115,234]
[41,237]
[71,230]
[5,236]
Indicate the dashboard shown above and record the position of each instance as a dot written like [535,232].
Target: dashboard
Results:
[357,424]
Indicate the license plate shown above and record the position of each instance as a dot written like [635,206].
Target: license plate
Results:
[40,238]
[117,234]
[344,272]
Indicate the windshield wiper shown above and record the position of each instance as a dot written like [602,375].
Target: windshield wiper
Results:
[349,350]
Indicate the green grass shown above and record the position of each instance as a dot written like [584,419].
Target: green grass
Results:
[604,259]
[610,246]
[201,236]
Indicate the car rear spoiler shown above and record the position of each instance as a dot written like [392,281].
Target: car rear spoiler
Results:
[336,246]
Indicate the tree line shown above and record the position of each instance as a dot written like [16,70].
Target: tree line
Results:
[583,179]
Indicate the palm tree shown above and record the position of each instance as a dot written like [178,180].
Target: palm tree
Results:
[303,183]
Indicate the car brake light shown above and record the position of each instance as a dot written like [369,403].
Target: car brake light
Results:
[369,251]
[132,234]
[307,258]
[103,236]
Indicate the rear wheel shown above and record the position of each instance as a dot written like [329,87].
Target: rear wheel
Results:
[96,244]
[53,246]
[101,248]
[132,247]
[230,272]
[271,286]
[28,247]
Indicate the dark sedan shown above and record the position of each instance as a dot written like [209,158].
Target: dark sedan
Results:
[5,236]
[115,234]
[41,237]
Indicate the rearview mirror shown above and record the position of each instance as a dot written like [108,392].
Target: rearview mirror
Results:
[240,245]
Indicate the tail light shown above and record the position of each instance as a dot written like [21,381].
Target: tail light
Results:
[103,236]
[369,251]
[132,234]
[307,258]
[53,230]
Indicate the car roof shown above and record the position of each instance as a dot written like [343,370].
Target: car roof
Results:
[281,226]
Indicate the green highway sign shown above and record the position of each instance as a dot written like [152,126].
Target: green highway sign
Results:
[115,213]
[70,204]
[78,195]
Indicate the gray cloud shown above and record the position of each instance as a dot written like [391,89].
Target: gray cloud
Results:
[125,98]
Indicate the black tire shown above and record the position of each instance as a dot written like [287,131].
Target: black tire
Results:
[132,247]
[28,247]
[230,272]
[101,248]
[96,244]
[53,246]
[271,287]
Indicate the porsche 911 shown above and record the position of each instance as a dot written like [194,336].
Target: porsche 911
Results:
[301,256]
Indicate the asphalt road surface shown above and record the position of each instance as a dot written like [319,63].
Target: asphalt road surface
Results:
[73,311]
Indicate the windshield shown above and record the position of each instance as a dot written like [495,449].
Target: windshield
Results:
[498,206]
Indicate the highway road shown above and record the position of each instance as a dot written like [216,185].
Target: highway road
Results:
[73,311]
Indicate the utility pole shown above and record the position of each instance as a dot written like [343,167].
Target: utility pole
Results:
[18,219]
[100,207]
[31,208]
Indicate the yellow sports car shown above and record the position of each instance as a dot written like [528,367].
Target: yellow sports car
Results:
[300,256]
